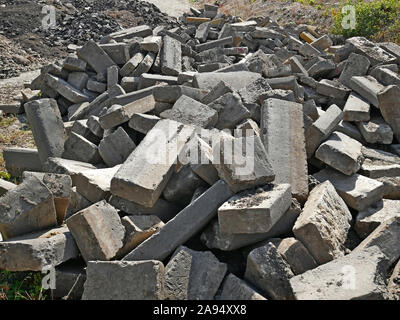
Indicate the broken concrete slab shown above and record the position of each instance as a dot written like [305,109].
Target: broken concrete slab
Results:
[376,130]
[236,80]
[356,109]
[372,217]
[79,148]
[77,203]
[94,184]
[60,186]
[357,191]
[322,128]
[115,148]
[98,231]
[18,160]
[191,112]
[143,123]
[171,57]
[341,153]
[65,89]
[359,275]
[47,127]
[324,223]
[255,211]
[184,225]
[356,65]
[37,251]
[27,208]
[268,271]
[367,87]
[124,280]
[171,94]
[388,99]
[95,56]
[193,275]
[158,152]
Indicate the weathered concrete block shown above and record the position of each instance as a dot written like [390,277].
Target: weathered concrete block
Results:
[118,52]
[171,57]
[356,109]
[148,80]
[193,275]
[95,56]
[324,223]
[254,211]
[157,153]
[143,123]
[231,111]
[374,54]
[367,87]
[98,231]
[19,160]
[341,152]
[357,191]
[385,237]
[282,132]
[393,285]
[268,271]
[380,163]
[234,288]
[73,64]
[65,89]
[47,127]
[77,203]
[6,186]
[296,254]
[184,225]
[356,65]
[322,128]
[124,280]
[78,80]
[115,148]
[388,99]
[60,186]
[372,217]
[94,184]
[118,115]
[81,128]
[129,33]
[191,112]
[79,148]
[130,66]
[331,281]
[27,208]
[236,80]
[242,163]
[171,94]
[376,130]
[35,251]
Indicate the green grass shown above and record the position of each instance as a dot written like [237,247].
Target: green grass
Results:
[377,20]
[22,286]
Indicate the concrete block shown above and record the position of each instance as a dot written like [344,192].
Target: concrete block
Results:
[376,130]
[341,153]
[367,87]
[193,275]
[194,218]
[47,127]
[324,223]
[73,64]
[171,94]
[115,148]
[388,99]
[356,108]
[27,208]
[95,56]
[234,288]
[35,251]
[236,80]
[357,191]
[118,52]
[282,134]
[254,211]
[147,170]
[6,186]
[65,89]
[171,57]
[143,123]
[130,66]
[79,148]
[145,65]
[129,33]
[78,80]
[98,231]
[356,65]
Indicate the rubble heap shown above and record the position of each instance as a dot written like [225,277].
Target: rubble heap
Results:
[222,159]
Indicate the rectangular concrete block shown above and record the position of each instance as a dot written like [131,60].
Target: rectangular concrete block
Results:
[356,108]
[183,226]
[47,127]
[19,160]
[79,148]
[282,133]
[95,56]
[157,153]
[98,231]
[66,90]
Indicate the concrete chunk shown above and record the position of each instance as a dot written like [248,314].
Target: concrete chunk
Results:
[254,211]
[193,275]
[27,208]
[185,224]
[357,191]
[268,271]
[376,130]
[388,100]
[322,128]
[236,80]
[35,251]
[147,170]
[356,108]
[98,231]
[115,148]
[47,127]
[356,65]
[118,52]
[65,89]
[95,56]
[341,152]
[234,288]
[171,57]
[332,280]
[324,223]
[80,149]
[367,87]
[143,123]
[6,186]
[124,280]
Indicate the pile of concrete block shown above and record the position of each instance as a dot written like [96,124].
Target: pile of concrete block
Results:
[223,159]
